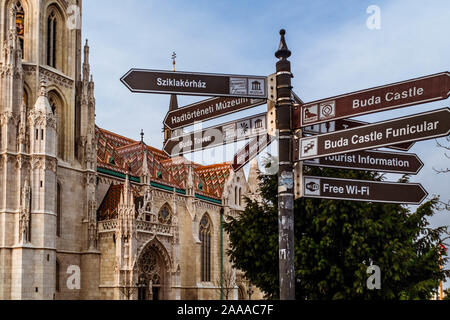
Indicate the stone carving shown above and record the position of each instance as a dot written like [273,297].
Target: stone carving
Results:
[25,209]
[92,227]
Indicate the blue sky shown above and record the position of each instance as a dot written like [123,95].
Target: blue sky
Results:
[333,52]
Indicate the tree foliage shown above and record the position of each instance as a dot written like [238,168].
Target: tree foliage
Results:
[336,241]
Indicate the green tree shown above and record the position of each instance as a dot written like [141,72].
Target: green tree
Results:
[336,241]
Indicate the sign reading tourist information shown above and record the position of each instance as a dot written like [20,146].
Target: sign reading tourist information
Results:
[343,124]
[360,190]
[422,126]
[230,132]
[251,150]
[407,93]
[395,162]
[208,109]
[198,84]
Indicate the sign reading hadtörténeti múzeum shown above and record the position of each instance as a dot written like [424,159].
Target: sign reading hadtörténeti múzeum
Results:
[208,109]
[407,93]
[198,84]
[422,126]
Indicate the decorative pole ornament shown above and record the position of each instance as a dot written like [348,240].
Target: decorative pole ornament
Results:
[283,106]
[283,52]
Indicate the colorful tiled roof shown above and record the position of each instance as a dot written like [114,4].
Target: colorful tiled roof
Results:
[119,154]
[108,208]
[215,177]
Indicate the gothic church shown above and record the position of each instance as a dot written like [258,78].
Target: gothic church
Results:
[86,213]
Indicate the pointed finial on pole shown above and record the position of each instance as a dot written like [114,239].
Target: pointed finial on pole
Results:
[142,135]
[283,51]
[174,56]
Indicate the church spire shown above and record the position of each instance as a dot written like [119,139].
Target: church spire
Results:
[174,62]
[173,102]
[86,65]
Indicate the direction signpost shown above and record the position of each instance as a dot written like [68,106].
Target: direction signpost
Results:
[360,190]
[394,162]
[422,126]
[335,140]
[208,109]
[226,133]
[198,84]
[402,94]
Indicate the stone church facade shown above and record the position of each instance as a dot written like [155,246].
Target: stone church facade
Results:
[84,212]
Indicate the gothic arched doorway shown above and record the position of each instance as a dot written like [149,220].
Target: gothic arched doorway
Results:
[153,273]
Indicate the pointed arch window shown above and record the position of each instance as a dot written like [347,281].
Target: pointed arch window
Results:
[52,104]
[51,39]
[20,24]
[57,276]
[57,107]
[240,196]
[205,253]
[58,210]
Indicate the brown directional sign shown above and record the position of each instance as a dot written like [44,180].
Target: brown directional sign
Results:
[207,110]
[395,162]
[343,124]
[407,93]
[360,190]
[198,84]
[251,150]
[422,126]
[226,133]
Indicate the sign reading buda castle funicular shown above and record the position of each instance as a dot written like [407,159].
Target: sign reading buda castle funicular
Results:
[422,126]
[198,84]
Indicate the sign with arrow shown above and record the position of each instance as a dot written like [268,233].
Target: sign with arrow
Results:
[226,133]
[208,109]
[360,190]
[422,126]
[198,84]
[251,150]
[343,124]
[394,162]
[402,94]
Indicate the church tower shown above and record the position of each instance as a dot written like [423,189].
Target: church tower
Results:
[47,150]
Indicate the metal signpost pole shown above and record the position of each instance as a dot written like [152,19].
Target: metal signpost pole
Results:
[285,174]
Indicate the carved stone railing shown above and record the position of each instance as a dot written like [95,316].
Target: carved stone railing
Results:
[107,226]
[151,227]
[141,226]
